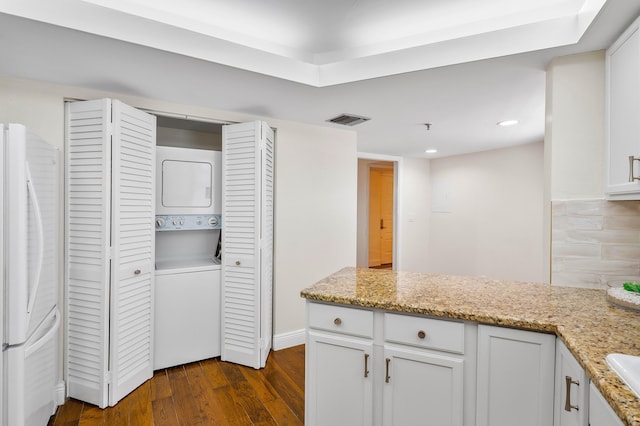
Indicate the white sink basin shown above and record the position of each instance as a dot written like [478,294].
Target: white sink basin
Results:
[628,368]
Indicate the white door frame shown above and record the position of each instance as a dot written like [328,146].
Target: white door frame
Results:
[397,205]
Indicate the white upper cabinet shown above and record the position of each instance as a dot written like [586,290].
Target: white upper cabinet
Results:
[622,116]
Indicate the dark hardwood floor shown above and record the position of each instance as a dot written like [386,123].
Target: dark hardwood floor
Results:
[209,392]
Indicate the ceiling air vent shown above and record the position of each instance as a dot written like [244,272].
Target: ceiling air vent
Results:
[348,119]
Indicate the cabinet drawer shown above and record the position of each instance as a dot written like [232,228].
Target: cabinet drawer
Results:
[339,319]
[424,332]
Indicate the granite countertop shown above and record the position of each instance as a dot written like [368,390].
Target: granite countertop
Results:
[589,325]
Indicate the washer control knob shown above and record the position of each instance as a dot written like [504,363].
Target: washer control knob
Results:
[160,222]
[213,221]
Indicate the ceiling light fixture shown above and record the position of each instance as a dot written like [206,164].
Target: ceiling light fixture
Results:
[430,151]
[506,123]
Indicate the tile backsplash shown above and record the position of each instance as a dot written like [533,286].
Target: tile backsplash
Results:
[594,242]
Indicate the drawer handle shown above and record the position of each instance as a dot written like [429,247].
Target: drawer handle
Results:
[366,365]
[137,271]
[386,374]
[567,403]
[237,263]
[337,321]
[421,334]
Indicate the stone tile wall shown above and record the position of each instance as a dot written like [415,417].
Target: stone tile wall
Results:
[594,242]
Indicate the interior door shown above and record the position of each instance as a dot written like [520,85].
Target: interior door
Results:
[381,182]
[133,242]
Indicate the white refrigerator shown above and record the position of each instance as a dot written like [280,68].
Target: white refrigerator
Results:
[30,319]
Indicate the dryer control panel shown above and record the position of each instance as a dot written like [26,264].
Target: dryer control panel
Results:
[188,222]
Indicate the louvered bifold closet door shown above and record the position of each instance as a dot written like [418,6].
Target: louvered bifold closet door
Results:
[87,242]
[133,233]
[241,199]
[266,246]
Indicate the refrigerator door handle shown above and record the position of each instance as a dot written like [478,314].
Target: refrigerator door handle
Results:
[33,288]
[45,338]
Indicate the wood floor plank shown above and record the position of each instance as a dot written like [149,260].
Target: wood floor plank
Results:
[288,390]
[245,395]
[278,408]
[118,415]
[291,362]
[69,413]
[214,374]
[164,412]
[91,416]
[210,411]
[140,406]
[160,388]
[186,407]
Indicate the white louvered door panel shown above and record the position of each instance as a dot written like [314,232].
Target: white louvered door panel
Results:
[87,241]
[133,233]
[242,304]
[266,246]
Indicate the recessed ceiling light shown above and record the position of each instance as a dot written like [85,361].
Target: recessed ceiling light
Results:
[430,151]
[507,123]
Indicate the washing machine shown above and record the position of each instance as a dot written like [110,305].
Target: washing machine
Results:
[187,284]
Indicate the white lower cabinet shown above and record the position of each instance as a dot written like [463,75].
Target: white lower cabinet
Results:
[515,377]
[600,412]
[571,390]
[339,386]
[422,388]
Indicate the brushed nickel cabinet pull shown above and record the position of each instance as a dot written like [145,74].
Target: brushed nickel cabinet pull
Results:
[387,377]
[137,271]
[632,176]
[366,365]
[337,321]
[421,334]
[237,263]
[567,402]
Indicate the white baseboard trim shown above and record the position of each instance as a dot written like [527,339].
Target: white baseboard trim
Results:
[287,340]
[61,393]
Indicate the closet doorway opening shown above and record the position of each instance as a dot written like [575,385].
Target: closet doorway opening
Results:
[377,212]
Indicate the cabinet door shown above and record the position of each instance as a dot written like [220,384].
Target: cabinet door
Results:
[622,112]
[422,388]
[339,380]
[515,377]
[572,396]
[600,412]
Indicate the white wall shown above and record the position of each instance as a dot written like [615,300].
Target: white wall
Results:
[415,196]
[315,204]
[575,126]
[487,217]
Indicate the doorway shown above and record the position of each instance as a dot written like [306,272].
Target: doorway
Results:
[377,227]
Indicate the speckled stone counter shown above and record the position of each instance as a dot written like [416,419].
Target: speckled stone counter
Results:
[590,326]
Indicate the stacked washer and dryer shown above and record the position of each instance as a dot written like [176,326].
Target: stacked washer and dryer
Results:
[188,232]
